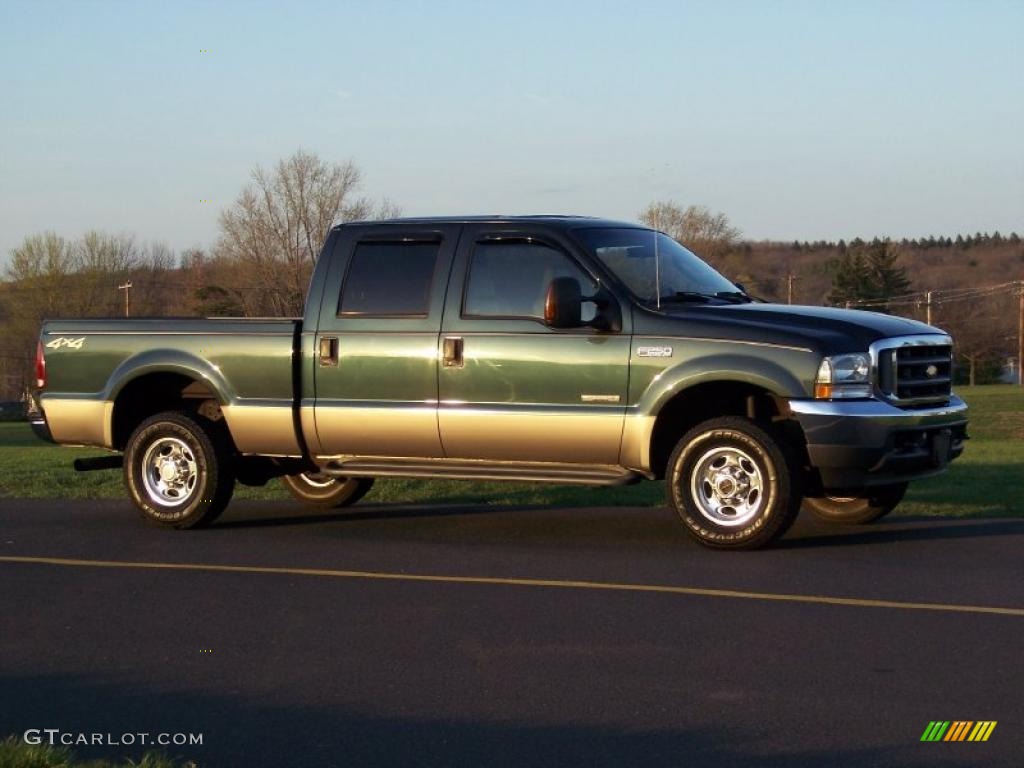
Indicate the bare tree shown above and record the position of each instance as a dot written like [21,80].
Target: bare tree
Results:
[51,277]
[982,334]
[708,234]
[39,268]
[277,225]
[102,259]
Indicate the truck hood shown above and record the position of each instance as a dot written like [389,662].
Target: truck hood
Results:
[826,330]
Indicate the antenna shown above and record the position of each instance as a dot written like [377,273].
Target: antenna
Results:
[657,273]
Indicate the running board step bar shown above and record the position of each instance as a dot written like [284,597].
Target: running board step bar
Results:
[453,469]
[98,462]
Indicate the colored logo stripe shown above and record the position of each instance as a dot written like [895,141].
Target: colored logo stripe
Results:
[958,730]
[982,730]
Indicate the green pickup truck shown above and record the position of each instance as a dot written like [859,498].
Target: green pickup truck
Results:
[542,348]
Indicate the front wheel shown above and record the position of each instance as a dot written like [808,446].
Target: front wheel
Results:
[177,468]
[322,490]
[857,510]
[733,484]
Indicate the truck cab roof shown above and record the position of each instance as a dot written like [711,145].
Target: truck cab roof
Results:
[548,220]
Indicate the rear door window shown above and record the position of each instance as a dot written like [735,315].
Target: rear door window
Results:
[389,279]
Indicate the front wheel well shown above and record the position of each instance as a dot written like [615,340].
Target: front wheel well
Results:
[153,393]
[718,398]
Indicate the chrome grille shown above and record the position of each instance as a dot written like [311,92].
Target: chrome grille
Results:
[914,370]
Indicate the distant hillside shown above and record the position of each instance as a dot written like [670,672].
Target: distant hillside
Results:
[932,263]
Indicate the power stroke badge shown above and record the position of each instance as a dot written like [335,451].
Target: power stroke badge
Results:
[654,351]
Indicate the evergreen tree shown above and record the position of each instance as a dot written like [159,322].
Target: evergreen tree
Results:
[852,280]
[888,279]
[868,272]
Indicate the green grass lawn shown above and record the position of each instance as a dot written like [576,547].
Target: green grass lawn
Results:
[14,753]
[986,481]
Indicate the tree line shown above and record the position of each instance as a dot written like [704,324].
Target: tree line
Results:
[269,238]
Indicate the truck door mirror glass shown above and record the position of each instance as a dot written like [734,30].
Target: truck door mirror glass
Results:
[563,304]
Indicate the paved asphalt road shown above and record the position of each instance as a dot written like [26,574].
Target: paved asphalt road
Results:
[282,668]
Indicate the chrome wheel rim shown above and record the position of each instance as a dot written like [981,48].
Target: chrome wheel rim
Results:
[317,479]
[727,486]
[170,472]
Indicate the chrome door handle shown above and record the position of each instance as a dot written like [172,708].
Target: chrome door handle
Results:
[452,352]
[328,352]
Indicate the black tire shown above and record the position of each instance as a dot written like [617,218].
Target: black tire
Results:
[857,510]
[735,450]
[203,478]
[324,491]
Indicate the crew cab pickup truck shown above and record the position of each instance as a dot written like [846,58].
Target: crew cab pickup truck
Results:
[543,348]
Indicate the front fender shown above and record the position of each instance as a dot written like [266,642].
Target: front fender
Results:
[783,380]
[759,372]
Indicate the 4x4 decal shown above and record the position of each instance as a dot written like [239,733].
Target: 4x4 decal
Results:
[61,341]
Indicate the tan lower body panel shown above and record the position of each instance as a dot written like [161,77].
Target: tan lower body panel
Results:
[307,418]
[636,442]
[78,421]
[263,429]
[571,435]
[359,430]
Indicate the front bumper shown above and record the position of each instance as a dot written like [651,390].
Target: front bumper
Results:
[37,420]
[863,443]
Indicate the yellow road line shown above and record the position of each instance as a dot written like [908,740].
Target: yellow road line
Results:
[518,582]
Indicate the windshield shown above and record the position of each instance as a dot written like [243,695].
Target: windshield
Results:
[655,267]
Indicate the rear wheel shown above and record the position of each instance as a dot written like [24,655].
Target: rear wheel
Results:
[732,484]
[177,468]
[322,490]
[857,510]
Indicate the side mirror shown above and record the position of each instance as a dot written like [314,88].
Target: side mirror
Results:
[563,303]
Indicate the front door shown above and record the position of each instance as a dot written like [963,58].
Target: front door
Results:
[510,387]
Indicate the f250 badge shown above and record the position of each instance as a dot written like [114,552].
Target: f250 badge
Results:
[654,351]
[60,342]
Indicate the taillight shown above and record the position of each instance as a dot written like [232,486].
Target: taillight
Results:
[40,366]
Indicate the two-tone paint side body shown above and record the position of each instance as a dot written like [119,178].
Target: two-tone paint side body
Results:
[245,365]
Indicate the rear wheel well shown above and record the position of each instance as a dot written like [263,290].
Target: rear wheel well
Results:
[718,398]
[156,392]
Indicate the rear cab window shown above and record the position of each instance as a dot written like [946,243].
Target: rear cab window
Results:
[389,279]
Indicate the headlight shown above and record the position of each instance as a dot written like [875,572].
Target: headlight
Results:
[844,376]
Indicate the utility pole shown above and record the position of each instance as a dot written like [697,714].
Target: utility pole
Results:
[126,287]
[1020,333]
[928,307]
[789,292]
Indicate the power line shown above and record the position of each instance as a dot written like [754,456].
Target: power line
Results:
[938,296]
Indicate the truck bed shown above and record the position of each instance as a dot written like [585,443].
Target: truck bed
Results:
[250,363]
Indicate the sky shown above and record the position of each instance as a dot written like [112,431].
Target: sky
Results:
[798,120]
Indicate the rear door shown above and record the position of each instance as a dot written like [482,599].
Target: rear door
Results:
[377,341]
[511,388]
